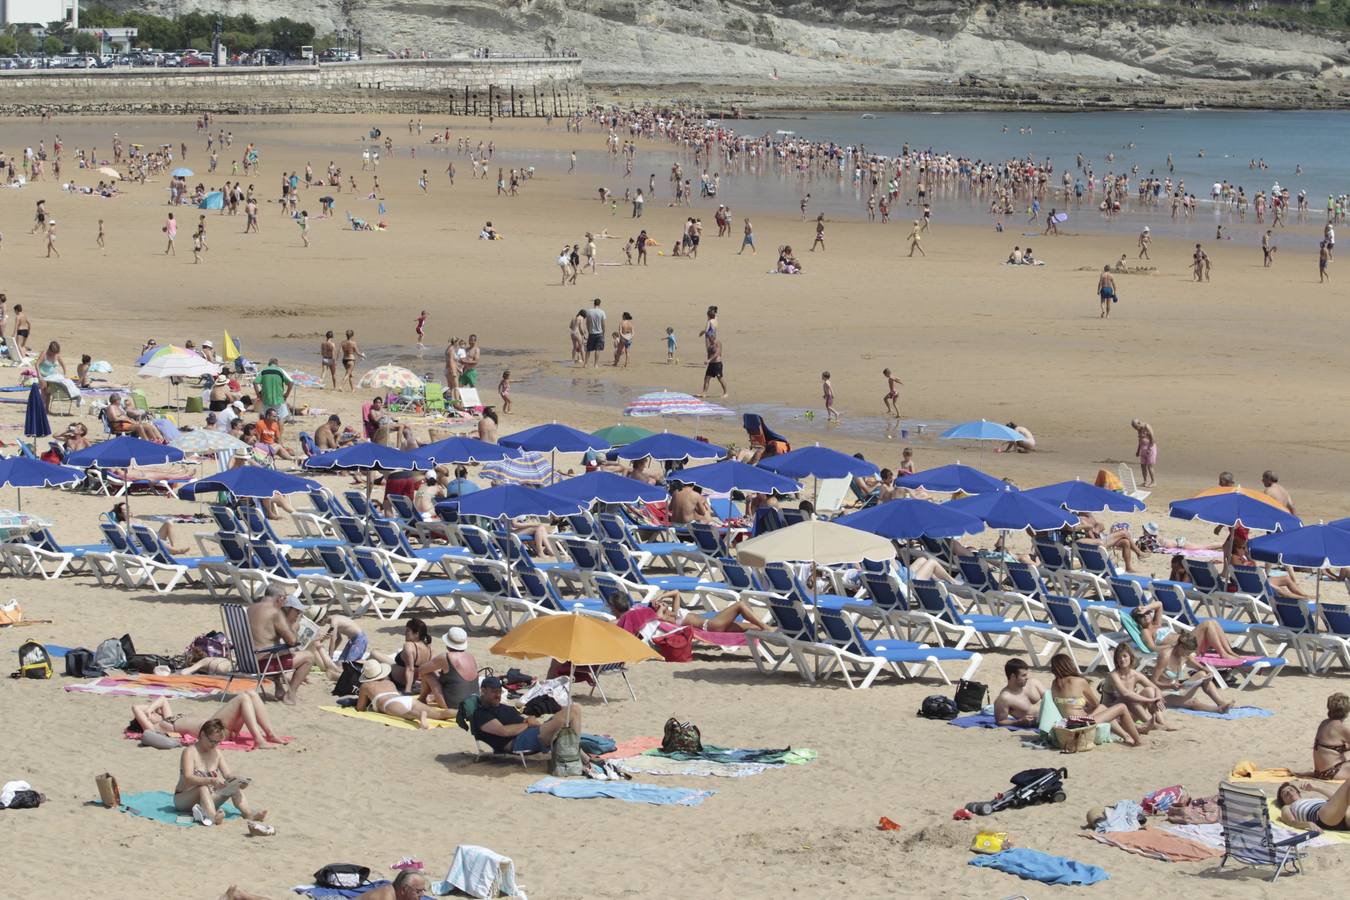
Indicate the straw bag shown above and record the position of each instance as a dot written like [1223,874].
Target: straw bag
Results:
[1075,740]
[108,792]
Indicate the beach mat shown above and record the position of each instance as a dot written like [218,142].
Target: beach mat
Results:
[325,893]
[180,686]
[981,720]
[1247,772]
[627,791]
[647,764]
[244,742]
[1034,865]
[632,747]
[1237,712]
[381,718]
[158,807]
[1155,844]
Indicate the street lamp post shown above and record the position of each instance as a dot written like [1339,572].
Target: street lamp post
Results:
[285,44]
[215,41]
[358,43]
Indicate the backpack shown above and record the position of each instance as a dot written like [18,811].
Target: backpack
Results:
[970,696]
[34,661]
[212,643]
[342,876]
[681,737]
[80,664]
[109,655]
[349,681]
[566,761]
[937,706]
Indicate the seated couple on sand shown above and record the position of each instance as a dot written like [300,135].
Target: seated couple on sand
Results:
[1019,703]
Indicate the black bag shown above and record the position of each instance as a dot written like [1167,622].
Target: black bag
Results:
[543,705]
[25,800]
[34,661]
[349,681]
[1027,776]
[970,695]
[342,875]
[681,737]
[128,648]
[937,706]
[146,663]
[80,664]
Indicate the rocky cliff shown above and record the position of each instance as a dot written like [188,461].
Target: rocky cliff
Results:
[864,47]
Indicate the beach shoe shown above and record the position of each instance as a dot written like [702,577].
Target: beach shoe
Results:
[261,829]
[597,773]
[962,815]
[887,825]
[408,862]
[199,816]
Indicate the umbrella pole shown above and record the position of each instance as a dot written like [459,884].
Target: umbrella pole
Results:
[18,492]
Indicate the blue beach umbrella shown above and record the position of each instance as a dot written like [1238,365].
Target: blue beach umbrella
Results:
[368,456]
[20,472]
[35,423]
[607,487]
[1234,509]
[667,447]
[818,462]
[250,481]
[952,479]
[124,451]
[454,450]
[182,172]
[908,519]
[1080,496]
[1011,509]
[554,438]
[730,475]
[511,501]
[1309,547]
[983,430]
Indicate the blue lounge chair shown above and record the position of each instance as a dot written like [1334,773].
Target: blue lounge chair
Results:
[844,648]
[1069,632]
[158,560]
[385,586]
[931,601]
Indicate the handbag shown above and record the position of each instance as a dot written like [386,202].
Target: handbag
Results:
[108,792]
[970,695]
[342,876]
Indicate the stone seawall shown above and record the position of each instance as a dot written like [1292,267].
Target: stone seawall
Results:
[521,86]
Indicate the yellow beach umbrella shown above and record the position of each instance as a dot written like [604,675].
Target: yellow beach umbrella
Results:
[580,640]
[229,352]
[1255,495]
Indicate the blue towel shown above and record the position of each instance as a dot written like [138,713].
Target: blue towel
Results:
[981,720]
[629,791]
[1038,866]
[158,806]
[320,892]
[1237,712]
[56,651]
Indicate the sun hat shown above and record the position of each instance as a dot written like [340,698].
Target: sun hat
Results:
[221,381]
[455,638]
[241,453]
[374,670]
[1151,528]
[208,344]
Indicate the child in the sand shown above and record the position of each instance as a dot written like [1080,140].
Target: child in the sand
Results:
[205,782]
[831,415]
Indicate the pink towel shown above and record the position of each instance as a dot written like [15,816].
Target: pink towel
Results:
[1219,662]
[633,747]
[243,742]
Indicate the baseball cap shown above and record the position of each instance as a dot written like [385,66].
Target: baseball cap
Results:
[491,683]
[293,602]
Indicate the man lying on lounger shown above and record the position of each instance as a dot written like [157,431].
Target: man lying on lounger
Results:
[1019,703]
[507,731]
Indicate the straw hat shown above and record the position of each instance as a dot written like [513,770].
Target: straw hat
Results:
[374,670]
[222,381]
[455,638]
[208,344]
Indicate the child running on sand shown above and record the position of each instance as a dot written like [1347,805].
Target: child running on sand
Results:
[830,414]
[892,398]
[504,390]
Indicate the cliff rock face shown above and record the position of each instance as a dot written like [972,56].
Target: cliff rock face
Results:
[823,43]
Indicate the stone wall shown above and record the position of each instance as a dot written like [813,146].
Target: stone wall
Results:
[520,86]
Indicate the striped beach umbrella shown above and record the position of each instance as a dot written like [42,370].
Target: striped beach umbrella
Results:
[207,440]
[391,378]
[673,403]
[531,467]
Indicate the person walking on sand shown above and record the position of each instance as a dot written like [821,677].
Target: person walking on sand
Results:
[99,240]
[915,237]
[170,230]
[714,367]
[21,330]
[1106,291]
[350,354]
[1145,240]
[328,357]
[1147,451]
[1323,258]
[820,233]
[892,398]
[831,414]
[51,239]
[1267,250]
[303,222]
[421,328]
[595,334]
[749,239]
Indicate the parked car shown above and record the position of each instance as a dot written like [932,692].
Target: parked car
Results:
[196,61]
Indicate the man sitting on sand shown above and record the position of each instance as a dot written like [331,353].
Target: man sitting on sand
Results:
[272,623]
[687,504]
[507,731]
[1019,703]
[1025,445]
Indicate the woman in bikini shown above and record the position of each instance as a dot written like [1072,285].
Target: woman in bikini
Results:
[1175,672]
[1208,635]
[205,782]
[328,358]
[1329,814]
[416,653]
[1074,696]
[667,608]
[381,694]
[1331,745]
[244,713]
[350,353]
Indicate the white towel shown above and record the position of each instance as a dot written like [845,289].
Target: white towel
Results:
[480,872]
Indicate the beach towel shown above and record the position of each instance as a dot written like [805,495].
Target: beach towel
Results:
[628,791]
[1037,866]
[313,890]
[480,872]
[158,807]
[647,764]
[1248,771]
[1237,712]
[1219,662]
[392,721]
[632,747]
[1212,835]
[787,757]
[1122,817]
[1156,844]
[982,720]
[56,651]
[180,686]
[243,742]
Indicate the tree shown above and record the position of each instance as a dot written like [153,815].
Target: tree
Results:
[239,41]
[53,46]
[297,35]
[86,43]
[27,42]
[99,16]
[8,45]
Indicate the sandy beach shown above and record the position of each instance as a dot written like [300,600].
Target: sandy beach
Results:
[1242,373]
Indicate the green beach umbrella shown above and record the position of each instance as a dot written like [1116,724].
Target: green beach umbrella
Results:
[619,435]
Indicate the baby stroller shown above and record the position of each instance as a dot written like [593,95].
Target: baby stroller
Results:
[1030,786]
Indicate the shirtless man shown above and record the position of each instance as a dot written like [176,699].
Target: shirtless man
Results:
[1019,703]
[714,367]
[1106,291]
[271,621]
[687,504]
[327,436]
[1276,491]
[468,375]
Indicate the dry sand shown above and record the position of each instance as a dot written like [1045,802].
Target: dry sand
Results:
[1243,373]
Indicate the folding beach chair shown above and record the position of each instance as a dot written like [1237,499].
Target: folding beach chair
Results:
[250,662]
[464,719]
[1247,835]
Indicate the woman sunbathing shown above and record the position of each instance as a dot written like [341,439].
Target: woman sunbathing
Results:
[381,694]
[1074,696]
[1331,745]
[1329,814]
[1208,635]
[1126,684]
[1175,674]
[667,606]
[243,713]
[205,782]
